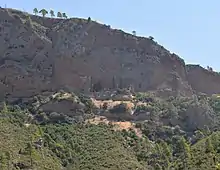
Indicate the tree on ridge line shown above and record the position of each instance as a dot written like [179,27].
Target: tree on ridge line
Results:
[52,13]
[35,10]
[44,12]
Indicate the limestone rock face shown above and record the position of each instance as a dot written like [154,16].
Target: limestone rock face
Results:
[39,54]
[202,80]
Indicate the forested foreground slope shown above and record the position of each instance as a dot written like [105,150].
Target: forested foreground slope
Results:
[70,146]
[31,139]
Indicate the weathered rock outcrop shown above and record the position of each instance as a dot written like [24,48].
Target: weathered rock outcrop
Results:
[202,80]
[39,54]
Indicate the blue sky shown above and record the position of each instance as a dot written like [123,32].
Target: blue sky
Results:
[189,28]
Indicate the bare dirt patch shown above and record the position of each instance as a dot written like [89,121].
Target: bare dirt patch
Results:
[118,125]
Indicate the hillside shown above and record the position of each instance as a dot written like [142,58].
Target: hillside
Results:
[78,95]
[177,133]
[72,146]
[39,54]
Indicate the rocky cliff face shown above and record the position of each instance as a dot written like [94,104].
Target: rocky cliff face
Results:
[39,54]
[202,80]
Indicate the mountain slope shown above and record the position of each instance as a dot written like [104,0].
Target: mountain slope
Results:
[78,147]
[86,146]
[65,82]
[38,54]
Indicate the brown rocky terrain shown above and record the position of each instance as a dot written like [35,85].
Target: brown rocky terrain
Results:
[42,54]
[202,80]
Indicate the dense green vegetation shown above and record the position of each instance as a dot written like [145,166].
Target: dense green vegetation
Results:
[79,145]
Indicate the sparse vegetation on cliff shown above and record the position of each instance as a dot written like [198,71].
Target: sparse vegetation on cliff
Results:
[35,10]
[44,12]
[52,13]
[59,15]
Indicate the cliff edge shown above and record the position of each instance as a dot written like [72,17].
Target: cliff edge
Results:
[41,54]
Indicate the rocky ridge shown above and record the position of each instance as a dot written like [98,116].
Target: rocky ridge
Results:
[46,54]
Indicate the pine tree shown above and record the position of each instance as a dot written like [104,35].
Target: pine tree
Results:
[5,108]
[134,33]
[44,12]
[166,149]
[35,10]
[59,15]
[209,146]
[52,13]
[8,158]
[185,153]
[3,161]
[29,150]
[64,15]
[89,19]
